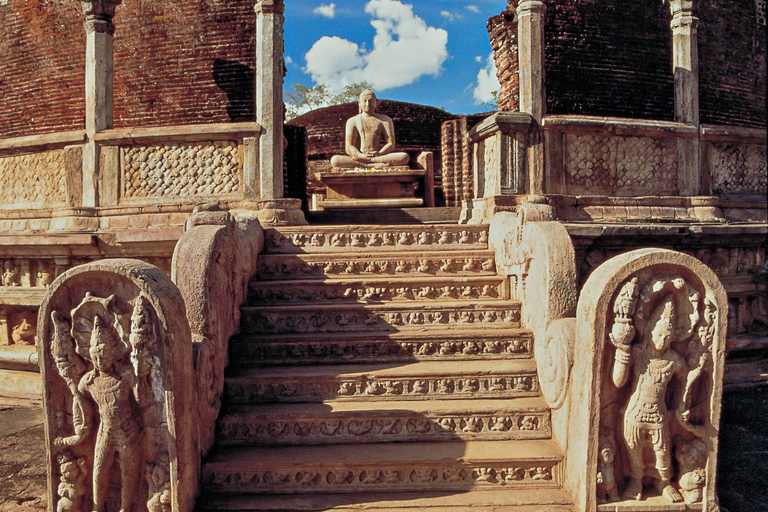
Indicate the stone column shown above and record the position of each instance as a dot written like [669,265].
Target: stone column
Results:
[269,95]
[685,59]
[99,31]
[533,95]
[273,209]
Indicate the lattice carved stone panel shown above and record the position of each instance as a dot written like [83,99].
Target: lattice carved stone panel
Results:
[738,169]
[207,168]
[39,178]
[623,165]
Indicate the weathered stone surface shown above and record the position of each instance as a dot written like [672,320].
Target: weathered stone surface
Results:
[116,359]
[211,267]
[49,186]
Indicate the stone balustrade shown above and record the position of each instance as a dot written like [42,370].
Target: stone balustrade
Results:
[625,159]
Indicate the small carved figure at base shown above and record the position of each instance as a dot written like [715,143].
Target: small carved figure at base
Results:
[11,274]
[24,333]
[692,457]
[72,487]
[158,477]
[606,481]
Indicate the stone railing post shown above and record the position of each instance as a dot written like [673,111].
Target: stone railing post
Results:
[273,209]
[100,32]
[533,95]
[685,61]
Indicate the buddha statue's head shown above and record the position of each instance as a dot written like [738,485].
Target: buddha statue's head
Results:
[367,102]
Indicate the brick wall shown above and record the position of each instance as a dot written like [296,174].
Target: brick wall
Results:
[42,67]
[503,32]
[176,62]
[732,71]
[609,57]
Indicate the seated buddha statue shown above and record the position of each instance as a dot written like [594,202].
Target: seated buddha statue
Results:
[369,139]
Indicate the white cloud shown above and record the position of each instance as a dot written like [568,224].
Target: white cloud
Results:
[288,60]
[329,11]
[447,15]
[473,8]
[487,83]
[404,49]
[478,58]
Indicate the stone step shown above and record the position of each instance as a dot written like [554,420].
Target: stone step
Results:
[393,467]
[414,237]
[435,344]
[383,265]
[339,422]
[388,317]
[414,381]
[483,500]
[446,289]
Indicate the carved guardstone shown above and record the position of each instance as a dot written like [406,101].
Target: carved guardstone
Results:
[651,325]
[116,360]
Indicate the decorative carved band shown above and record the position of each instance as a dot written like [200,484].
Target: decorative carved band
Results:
[288,267]
[270,320]
[484,346]
[394,427]
[418,237]
[375,292]
[49,186]
[257,390]
[442,476]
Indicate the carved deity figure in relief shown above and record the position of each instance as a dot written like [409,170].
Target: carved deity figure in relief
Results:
[109,385]
[24,332]
[646,421]
[11,273]
[106,361]
[369,139]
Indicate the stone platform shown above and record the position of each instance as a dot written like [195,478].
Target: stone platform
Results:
[391,187]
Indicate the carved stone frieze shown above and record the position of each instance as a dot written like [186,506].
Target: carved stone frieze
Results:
[485,346]
[620,163]
[116,358]
[738,169]
[287,267]
[374,292]
[211,168]
[270,320]
[411,237]
[394,427]
[260,390]
[359,476]
[49,169]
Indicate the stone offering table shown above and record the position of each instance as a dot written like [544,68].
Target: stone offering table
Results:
[391,187]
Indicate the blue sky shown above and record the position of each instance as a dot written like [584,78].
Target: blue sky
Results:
[432,52]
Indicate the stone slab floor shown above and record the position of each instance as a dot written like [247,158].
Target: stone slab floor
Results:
[743,454]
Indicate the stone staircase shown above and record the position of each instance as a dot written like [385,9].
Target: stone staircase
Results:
[382,368]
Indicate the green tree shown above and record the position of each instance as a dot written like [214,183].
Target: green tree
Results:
[301,99]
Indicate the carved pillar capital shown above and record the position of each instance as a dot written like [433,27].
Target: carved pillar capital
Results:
[527,7]
[269,7]
[99,14]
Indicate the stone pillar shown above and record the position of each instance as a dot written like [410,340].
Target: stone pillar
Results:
[685,59]
[269,95]
[533,96]
[99,31]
